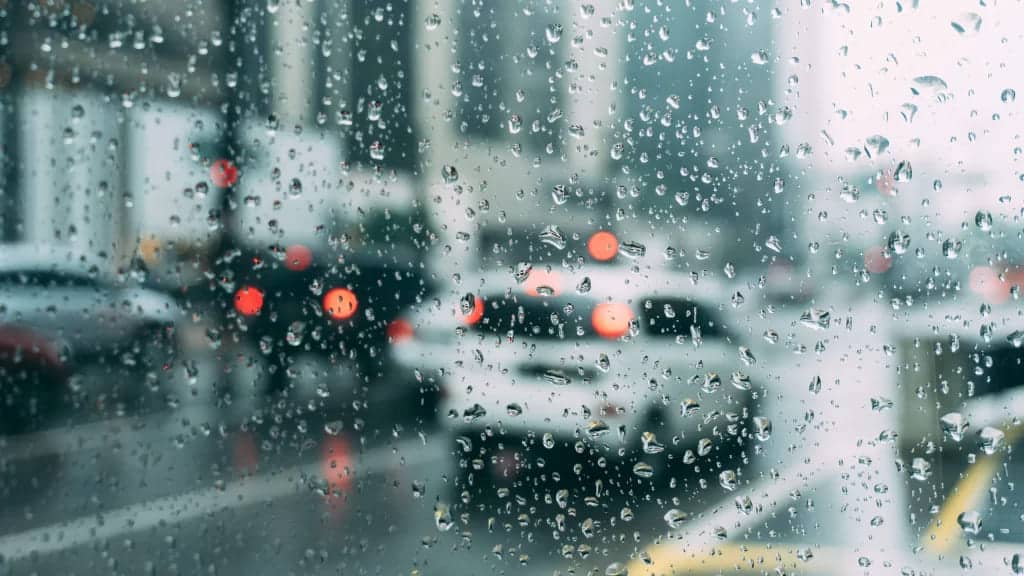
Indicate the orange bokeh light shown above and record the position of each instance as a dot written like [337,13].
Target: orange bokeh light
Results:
[603,246]
[340,303]
[611,319]
[297,258]
[476,313]
[248,300]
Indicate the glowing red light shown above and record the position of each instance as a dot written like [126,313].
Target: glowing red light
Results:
[400,331]
[249,301]
[876,261]
[297,257]
[603,246]
[476,313]
[611,319]
[340,303]
[223,173]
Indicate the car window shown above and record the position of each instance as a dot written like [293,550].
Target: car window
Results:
[536,318]
[675,317]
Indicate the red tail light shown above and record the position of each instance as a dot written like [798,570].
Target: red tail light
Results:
[603,246]
[400,331]
[340,303]
[223,173]
[611,319]
[248,300]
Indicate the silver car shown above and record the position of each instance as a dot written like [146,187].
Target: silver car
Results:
[61,315]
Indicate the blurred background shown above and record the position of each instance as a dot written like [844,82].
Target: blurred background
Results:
[465,287]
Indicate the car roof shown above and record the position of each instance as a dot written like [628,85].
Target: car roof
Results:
[47,258]
[606,283]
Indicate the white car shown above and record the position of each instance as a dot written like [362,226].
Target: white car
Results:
[609,361]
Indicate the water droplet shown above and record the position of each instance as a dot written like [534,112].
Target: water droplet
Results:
[651,444]
[559,194]
[474,412]
[376,151]
[921,469]
[951,248]
[730,270]
[522,272]
[432,22]
[616,569]
[728,480]
[991,439]
[643,470]
[876,145]
[675,518]
[442,517]
[515,124]
[740,381]
[553,33]
[597,428]
[774,244]
[969,521]
[449,174]
[954,425]
[419,487]
[548,440]
[967,24]
[632,249]
[552,236]
[899,242]
[933,83]
[1008,95]
[712,382]
[1016,338]
[904,172]
[983,220]
[514,409]
[762,428]
[816,319]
